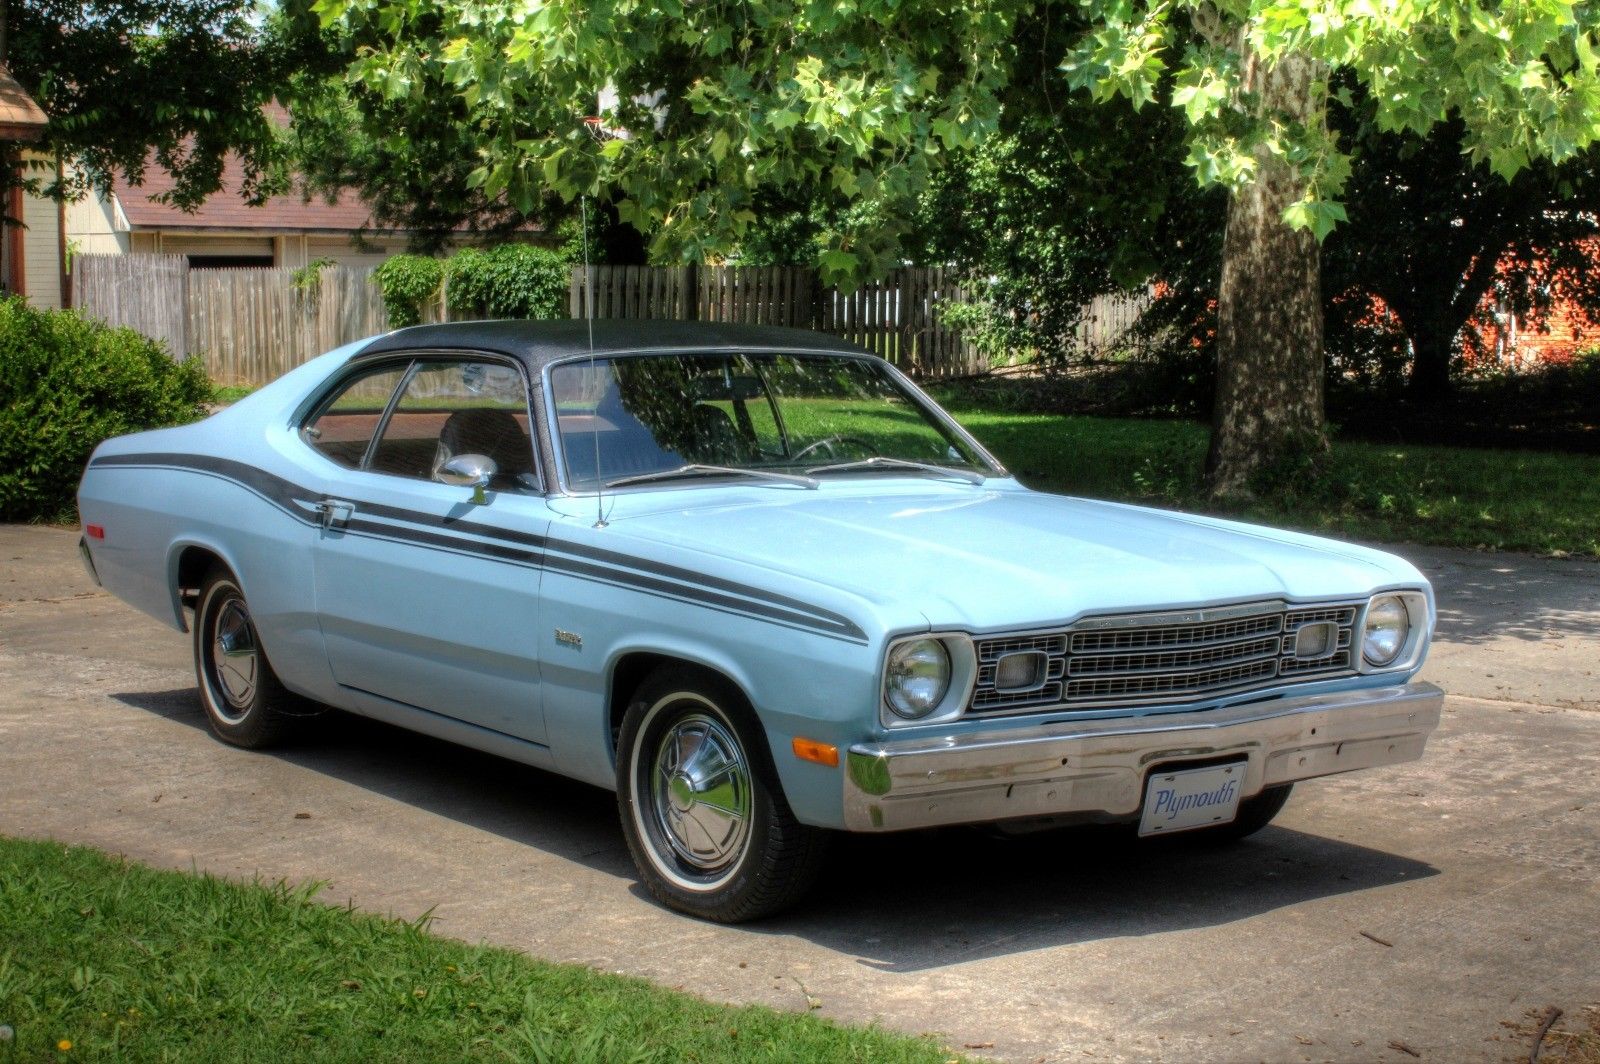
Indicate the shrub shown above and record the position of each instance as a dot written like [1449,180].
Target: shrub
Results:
[65,385]
[408,282]
[508,281]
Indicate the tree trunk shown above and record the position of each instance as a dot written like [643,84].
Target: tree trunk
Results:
[1430,364]
[1269,309]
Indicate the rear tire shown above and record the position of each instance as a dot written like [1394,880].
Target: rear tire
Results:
[702,810]
[245,703]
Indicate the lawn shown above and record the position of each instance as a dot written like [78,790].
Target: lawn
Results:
[1542,501]
[103,959]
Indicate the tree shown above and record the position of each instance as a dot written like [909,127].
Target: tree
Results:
[1521,82]
[1071,200]
[130,83]
[1432,234]
[725,102]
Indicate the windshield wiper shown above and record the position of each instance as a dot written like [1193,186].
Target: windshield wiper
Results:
[971,476]
[696,469]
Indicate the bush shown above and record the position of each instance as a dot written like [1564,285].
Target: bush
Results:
[65,385]
[408,282]
[508,281]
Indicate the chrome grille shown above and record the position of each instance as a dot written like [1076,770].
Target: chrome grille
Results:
[1153,658]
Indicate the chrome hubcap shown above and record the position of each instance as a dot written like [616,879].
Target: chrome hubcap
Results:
[235,658]
[700,784]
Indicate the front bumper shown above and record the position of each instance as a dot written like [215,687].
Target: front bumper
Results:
[1099,766]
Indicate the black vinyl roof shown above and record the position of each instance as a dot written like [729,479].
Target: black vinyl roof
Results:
[540,342]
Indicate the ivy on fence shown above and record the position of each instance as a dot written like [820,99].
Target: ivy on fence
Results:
[506,281]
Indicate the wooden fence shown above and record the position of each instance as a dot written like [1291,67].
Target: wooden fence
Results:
[1106,327]
[896,317]
[146,293]
[249,326]
[252,325]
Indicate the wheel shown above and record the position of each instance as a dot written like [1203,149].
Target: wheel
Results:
[705,818]
[1255,813]
[833,444]
[245,703]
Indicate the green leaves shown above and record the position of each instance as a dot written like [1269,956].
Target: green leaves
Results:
[1524,78]
[719,105]
[1319,216]
[66,384]
[862,102]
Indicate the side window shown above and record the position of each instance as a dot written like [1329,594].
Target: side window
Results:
[455,408]
[345,427]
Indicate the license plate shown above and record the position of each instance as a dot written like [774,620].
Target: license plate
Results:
[1191,798]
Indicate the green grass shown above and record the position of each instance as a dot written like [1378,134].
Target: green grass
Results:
[1540,501]
[232,393]
[128,963]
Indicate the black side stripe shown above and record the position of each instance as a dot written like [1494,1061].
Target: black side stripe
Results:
[517,547]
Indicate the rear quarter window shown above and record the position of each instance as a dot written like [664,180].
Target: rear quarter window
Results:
[344,428]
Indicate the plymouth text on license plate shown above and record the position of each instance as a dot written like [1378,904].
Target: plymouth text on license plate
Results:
[1191,798]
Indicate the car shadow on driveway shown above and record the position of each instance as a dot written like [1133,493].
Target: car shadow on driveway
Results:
[902,902]
[911,902]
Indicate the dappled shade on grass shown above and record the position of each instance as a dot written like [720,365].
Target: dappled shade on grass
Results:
[1541,501]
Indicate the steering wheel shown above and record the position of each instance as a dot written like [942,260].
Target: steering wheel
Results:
[833,443]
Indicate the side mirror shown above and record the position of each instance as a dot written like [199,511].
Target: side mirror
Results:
[469,471]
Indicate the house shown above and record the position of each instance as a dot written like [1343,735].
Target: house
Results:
[224,231]
[21,121]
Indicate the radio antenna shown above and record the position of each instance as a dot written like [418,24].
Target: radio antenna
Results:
[594,419]
[596,129]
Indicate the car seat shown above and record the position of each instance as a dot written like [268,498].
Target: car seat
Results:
[490,432]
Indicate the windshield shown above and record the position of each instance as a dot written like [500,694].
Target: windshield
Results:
[620,418]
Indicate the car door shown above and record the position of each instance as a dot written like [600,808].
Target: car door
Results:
[427,593]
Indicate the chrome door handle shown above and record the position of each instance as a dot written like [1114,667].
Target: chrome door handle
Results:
[335,513]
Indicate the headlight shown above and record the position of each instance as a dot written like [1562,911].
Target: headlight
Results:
[1388,626]
[918,677]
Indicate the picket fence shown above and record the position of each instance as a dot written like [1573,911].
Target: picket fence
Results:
[252,325]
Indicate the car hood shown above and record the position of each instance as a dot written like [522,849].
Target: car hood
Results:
[997,557]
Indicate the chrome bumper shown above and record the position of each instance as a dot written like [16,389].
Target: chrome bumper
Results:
[1099,766]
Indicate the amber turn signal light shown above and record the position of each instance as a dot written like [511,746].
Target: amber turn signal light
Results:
[821,753]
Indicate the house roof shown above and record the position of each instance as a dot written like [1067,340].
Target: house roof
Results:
[537,343]
[226,209]
[20,117]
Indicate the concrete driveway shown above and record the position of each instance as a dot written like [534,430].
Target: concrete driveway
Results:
[1476,867]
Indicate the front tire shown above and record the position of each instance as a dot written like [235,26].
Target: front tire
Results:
[703,813]
[245,703]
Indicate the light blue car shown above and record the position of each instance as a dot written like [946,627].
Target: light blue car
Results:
[756,582]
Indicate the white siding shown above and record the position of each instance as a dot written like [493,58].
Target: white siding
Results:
[41,252]
[93,229]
